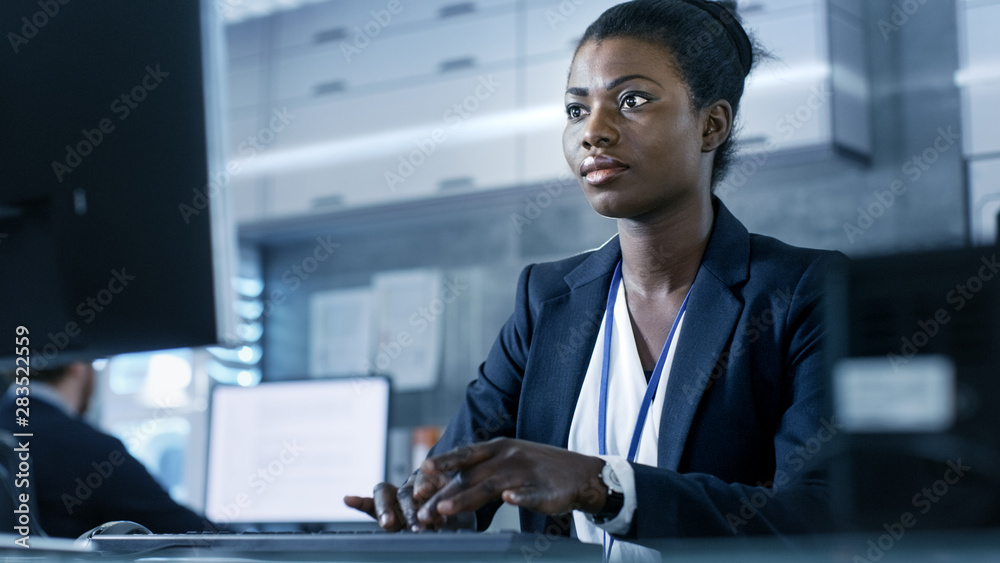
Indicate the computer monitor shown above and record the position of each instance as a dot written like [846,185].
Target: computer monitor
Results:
[113,229]
[913,343]
[288,452]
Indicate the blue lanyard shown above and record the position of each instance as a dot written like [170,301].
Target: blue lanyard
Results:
[654,380]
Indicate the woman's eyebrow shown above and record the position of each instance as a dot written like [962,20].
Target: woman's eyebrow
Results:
[619,81]
[576,91]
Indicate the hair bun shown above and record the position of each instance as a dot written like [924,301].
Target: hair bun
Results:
[724,12]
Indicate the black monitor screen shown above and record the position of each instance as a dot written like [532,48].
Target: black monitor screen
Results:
[111,237]
[915,376]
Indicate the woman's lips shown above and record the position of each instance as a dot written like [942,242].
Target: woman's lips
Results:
[604,175]
[601,169]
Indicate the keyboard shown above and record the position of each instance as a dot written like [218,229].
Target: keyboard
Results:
[460,545]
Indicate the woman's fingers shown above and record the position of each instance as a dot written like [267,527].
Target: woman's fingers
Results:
[426,485]
[387,510]
[538,477]
[542,478]
[364,504]
[470,498]
[468,490]
[408,505]
[460,458]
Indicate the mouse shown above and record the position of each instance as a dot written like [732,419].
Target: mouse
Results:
[113,528]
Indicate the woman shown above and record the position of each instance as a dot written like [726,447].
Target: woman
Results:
[723,325]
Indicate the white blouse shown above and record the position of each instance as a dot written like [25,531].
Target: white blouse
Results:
[626,388]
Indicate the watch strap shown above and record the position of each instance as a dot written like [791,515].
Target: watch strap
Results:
[612,507]
[615,498]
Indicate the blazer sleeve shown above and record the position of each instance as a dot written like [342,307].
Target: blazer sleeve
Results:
[672,504]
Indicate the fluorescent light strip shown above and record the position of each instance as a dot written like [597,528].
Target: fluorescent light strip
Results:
[979,74]
[776,75]
[402,141]
[234,11]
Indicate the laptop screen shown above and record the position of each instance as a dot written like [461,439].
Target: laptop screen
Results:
[288,452]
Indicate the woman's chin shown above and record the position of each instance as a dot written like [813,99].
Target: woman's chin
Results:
[611,207]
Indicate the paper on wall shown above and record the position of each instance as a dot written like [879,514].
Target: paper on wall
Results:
[409,327]
[340,332]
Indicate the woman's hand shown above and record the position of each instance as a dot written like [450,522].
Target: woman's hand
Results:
[534,476]
[396,508]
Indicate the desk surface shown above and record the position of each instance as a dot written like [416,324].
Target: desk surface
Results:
[911,547]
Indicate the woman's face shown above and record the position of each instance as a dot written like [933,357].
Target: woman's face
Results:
[632,136]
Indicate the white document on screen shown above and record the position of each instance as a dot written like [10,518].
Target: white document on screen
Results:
[288,452]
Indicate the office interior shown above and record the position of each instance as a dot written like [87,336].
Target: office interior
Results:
[399,162]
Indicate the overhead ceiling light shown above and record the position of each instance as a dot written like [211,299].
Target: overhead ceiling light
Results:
[238,10]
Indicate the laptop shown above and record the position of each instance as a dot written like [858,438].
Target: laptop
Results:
[284,454]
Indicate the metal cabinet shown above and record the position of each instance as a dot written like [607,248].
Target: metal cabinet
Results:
[979,75]
[368,83]
[984,199]
[979,80]
[812,98]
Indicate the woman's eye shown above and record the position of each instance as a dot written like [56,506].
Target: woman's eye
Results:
[574,112]
[633,101]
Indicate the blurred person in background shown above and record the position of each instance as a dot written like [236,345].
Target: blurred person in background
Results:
[80,476]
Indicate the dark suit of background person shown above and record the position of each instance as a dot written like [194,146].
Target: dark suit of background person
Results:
[69,457]
[744,403]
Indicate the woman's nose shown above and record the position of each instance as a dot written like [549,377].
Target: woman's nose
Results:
[600,129]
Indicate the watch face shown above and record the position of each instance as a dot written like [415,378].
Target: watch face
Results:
[611,479]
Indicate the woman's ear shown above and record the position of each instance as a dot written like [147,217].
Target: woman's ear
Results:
[718,122]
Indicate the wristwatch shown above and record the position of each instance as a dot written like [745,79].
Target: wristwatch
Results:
[615,498]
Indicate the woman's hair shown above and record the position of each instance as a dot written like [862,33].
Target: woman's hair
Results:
[713,52]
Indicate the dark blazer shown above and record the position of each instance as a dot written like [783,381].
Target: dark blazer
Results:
[82,478]
[744,405]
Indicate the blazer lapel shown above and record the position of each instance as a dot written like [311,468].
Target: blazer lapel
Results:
[712,313]
[568,325]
